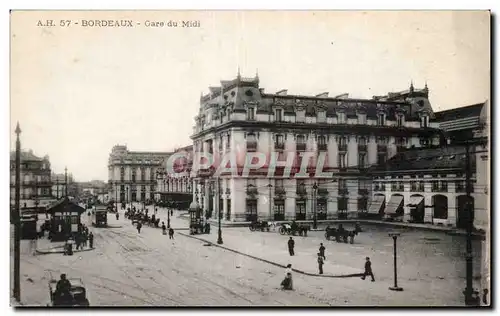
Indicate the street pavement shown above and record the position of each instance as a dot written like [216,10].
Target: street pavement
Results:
[129,269]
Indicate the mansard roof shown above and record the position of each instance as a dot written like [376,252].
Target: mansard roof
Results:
[436,159]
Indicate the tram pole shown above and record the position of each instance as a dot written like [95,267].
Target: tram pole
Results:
[469,291]
[17,221]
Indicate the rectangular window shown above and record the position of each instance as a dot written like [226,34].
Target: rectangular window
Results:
[362,160]
[362,119]
[400,120]
[341,117]
[342,161]
[362,204]
[250,114]
[321,210]
[381,159]
[300,210]
[279,210]
[381,120]
[279,115]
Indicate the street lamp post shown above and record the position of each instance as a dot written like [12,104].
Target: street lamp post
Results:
[315,219]
[219,213]
[17,221]
[395,287]
[270,186]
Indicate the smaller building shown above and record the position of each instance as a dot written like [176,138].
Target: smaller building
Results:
[424,186]
[65,219]
[35,180]
[174,178]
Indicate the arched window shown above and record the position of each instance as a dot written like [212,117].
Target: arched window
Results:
[440,203]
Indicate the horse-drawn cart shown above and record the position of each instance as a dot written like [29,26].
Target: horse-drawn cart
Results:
[77,294]
[294,229]
[260,225]
[341,234]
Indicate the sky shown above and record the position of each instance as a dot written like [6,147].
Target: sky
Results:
[78,91]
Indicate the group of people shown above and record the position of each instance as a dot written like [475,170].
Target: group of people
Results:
[321,259]
[143,216]
[80,239]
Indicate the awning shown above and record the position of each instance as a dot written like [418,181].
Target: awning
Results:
[394,203]
[377,202]
[415,201]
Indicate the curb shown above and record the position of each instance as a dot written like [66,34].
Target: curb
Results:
[48,252]
[274,263]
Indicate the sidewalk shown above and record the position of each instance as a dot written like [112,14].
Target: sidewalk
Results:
[322,225]
[304,261]
[45,246]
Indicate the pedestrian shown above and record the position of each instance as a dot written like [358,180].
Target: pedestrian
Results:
[139,226]
[156,210]
[171,212]
[322,251]
[78,241]
[368,270]
[320,263]
[91,240]
[288,269]
[291,245]
[163,228]
[171,233]
[84,239]
[117,216]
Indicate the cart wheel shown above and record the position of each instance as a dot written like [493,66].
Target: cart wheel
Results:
[252,229]
[282,231]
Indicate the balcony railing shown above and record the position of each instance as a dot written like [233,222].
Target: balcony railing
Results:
[322,147]
[251,146]
[400,148]
[322,191]
[252,190]
[279,190]
[362,148]
[343,191]
[363,191]
[301,191]
[280,146]
[381,148]
[439,188]
[342,147]
[38,183]
[301,146]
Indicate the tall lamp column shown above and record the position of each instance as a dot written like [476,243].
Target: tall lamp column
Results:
[395,287]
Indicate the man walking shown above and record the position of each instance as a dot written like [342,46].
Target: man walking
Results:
[368,270]
[291,246]
[171,233]
[139,226]
[91,240]
[322,251]
[320,263]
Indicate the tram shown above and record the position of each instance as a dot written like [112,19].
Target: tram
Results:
[100,216]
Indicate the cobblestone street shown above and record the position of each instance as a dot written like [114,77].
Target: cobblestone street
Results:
[128,268]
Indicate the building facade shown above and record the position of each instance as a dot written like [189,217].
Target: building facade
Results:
[174,180]
[132,174]
[59,183]
[35,181]
[429,185]
[344,135]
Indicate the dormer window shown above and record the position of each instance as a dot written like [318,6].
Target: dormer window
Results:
[341,117]
[381,119]
[400,119]
[251,114]
[278,115]
[424,121]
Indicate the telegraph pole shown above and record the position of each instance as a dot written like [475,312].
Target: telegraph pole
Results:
[218,197]
[17,221]
[469,291]
[270,198]
[66,182]
[315,219]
